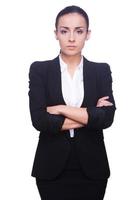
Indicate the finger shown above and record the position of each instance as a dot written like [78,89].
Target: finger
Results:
[104,98]
[104,103]
[108,104]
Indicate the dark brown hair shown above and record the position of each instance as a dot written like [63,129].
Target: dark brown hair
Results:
[72,9]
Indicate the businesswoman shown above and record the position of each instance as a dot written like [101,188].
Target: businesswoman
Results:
[71,102]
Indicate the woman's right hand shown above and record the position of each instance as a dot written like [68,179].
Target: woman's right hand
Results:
[103,102]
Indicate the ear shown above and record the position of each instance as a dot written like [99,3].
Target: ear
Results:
[88,35]
[56,36]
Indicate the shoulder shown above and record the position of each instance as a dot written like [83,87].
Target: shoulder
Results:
[99,68]
[42,66]
[39,65]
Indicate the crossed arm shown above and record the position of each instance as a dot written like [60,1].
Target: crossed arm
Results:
[75,117]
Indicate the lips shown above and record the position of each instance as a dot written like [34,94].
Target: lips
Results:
[71,46]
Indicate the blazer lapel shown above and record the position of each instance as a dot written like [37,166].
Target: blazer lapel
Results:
[54,86]
[90,89]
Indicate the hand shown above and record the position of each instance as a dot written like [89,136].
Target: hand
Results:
[104,102]
[55,109]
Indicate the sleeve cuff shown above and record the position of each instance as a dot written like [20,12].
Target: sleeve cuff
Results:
[95,117]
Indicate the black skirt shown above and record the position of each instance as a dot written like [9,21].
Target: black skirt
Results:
[72,183]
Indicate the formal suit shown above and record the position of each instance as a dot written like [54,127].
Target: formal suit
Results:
[54,147]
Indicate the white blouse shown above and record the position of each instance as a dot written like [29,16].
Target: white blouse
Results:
[72,88]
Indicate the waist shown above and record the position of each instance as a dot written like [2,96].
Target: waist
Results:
[73,161]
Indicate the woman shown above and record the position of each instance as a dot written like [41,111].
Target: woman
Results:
[71,102]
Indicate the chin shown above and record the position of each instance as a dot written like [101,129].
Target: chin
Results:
[70,53]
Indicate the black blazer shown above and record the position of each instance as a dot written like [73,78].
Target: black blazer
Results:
[54,146]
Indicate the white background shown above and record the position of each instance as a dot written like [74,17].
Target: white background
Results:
[26,35]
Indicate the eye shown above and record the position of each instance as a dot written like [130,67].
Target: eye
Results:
[63,31]
[79,31]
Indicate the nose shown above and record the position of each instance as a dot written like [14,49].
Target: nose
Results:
[71,37]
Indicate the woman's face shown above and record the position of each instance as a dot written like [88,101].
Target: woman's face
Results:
[72,33]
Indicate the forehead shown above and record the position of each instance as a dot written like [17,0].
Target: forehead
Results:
[72,20]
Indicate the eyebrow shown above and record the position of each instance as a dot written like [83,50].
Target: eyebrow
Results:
[78,27]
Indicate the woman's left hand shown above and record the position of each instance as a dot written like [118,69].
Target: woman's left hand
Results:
[54,109]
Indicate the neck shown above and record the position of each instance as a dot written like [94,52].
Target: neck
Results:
[71,61]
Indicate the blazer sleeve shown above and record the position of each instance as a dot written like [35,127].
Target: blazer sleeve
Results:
[102,117]
[41,119]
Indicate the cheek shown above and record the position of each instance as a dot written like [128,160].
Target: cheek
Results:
[81,43]
[62,42]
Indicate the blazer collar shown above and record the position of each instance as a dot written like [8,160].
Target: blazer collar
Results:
[88,78]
